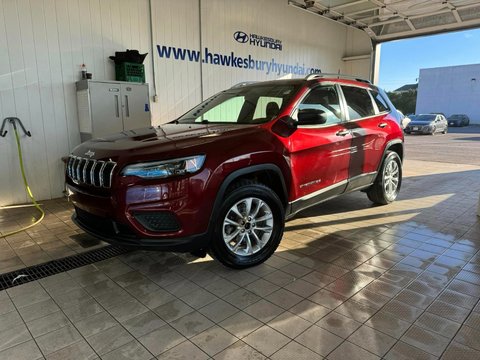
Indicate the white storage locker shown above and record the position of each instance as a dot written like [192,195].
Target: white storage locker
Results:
[108,107]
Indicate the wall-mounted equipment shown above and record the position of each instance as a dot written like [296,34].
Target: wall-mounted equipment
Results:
[108,107]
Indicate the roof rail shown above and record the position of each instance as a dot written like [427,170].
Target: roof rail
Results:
[244,83]
[338,76]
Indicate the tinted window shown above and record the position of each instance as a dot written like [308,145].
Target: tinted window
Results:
[424,117]
[324,98]
[359,102]
[380,101]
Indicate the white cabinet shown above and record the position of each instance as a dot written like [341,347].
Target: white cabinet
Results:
[108,107]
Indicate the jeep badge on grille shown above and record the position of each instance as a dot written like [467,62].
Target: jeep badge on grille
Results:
[90,153]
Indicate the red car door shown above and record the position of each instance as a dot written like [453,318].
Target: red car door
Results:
[320,154]
[370,127]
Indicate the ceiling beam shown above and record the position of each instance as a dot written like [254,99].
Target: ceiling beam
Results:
[456,15]
[348,4]
[410,25]
[389,13]
[438,29]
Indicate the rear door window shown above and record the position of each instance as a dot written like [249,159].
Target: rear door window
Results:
[359,102]
[380,101]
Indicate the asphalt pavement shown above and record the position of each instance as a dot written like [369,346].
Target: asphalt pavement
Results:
[458,146]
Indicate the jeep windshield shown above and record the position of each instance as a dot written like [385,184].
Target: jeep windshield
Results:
[251,104]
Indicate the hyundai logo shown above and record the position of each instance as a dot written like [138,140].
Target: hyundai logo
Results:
[240,36]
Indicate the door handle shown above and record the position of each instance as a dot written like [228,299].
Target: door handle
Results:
[117,111]
[382,125]
[127,109]
[343,133]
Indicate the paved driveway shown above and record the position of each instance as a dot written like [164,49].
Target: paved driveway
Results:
[459,146]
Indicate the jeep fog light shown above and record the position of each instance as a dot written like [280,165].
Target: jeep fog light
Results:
[141,194]
[166,168]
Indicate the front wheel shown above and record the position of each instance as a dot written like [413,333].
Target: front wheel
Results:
[249,225]
[445,131]
[387,185]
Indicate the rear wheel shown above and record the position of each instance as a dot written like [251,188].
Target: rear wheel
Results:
[249,225]
[387,185]
[445,130]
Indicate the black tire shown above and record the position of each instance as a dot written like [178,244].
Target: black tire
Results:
[445,130]
[434,130]
[242,190]
[377,192]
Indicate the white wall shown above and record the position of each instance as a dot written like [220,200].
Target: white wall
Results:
[42,45]
[307,39]
[450,90]
[44,42]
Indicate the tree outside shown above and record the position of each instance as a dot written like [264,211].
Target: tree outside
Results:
[404,101]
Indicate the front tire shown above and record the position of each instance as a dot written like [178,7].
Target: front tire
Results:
[387,185]
[248,226]
[445,131]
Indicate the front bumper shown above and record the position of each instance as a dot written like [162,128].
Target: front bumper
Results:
[118,234]
[167,214]
[418,130]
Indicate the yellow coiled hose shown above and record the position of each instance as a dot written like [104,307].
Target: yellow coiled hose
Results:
[27,189]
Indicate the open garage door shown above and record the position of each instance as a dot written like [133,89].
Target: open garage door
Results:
[385,20]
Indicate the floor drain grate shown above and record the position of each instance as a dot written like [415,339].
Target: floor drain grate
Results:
[57,266]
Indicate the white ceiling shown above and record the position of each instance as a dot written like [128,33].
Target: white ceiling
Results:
[385,20]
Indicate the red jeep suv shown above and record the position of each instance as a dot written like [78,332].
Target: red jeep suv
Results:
[223,177]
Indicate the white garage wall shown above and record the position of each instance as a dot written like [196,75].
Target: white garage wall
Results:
[42,45]
[176,23]
[451,90]
[44,42]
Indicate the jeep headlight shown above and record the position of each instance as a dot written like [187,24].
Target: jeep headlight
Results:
[165,168]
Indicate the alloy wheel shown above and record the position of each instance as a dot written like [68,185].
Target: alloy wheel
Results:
[391,179]
[247,226]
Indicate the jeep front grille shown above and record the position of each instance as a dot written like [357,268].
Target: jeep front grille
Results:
[90,172]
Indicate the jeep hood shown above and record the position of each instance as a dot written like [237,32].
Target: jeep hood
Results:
[154,140]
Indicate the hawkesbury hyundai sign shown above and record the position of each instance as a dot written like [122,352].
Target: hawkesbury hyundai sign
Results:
[258,40]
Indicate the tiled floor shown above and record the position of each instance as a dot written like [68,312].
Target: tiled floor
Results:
[55,237]
[350,281]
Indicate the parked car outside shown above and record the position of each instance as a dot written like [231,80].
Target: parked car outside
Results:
[224,177]
[458,120]
[427,124]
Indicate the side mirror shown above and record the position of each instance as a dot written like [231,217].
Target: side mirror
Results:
[311,117]
[285,126]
